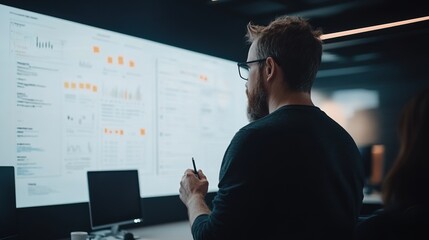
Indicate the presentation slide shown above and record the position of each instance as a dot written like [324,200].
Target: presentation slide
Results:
[76,98]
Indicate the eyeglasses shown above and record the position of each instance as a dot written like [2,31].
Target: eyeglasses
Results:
[244,67]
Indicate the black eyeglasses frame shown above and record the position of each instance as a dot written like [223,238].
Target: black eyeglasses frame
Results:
[246,66]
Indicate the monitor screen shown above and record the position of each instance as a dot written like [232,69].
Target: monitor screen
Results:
[8,218]
[114,198]
[80,98]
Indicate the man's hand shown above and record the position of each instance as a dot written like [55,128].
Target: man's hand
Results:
[192,193]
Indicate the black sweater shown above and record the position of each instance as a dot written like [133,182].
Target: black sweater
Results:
[294,174]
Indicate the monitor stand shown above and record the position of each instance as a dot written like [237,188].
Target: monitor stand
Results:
[113,231]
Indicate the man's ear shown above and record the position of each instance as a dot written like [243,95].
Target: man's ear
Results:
[270,68]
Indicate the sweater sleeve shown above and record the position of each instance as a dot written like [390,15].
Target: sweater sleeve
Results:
[229,207]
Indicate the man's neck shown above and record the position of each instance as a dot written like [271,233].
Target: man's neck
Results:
[291,98]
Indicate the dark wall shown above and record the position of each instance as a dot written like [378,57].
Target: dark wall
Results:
[187,24]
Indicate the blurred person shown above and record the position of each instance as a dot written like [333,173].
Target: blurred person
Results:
[405,194]
[292,172]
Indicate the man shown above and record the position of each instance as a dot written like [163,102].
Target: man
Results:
[292,172]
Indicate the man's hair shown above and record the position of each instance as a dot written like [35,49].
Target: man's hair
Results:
[294,45]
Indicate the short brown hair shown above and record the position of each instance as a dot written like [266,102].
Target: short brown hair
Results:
[294,45]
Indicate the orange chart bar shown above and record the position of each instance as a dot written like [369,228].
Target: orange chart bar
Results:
[80,86]
[120,60]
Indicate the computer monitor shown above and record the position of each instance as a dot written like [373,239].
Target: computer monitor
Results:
[114,200]
[8,218]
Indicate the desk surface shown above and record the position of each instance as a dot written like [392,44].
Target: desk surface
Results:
[373,198]
[168,231]
[182,231]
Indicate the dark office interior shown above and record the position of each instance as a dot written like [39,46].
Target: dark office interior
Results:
[392,62]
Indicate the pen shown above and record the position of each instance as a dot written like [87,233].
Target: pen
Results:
[195,168]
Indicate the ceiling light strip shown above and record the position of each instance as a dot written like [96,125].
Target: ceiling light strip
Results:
[372,28]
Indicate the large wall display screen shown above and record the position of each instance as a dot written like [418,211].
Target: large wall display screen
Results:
[77,98]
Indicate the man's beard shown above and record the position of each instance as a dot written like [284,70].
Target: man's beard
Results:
[257,104]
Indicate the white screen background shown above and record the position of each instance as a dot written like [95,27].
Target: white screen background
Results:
[79,98]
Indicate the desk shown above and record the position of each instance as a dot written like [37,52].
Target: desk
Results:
[167,231]
[373,198]
[371,203]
